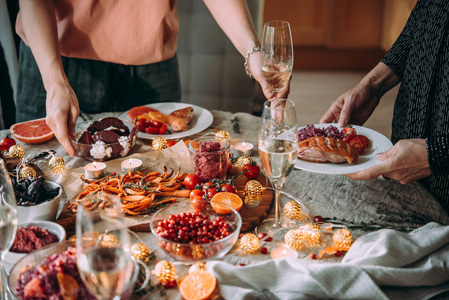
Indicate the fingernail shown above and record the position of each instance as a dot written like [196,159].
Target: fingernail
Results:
[269,94]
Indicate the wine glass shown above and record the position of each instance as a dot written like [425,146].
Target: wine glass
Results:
[278,146]
[8,222]
[102,246]
[276,57]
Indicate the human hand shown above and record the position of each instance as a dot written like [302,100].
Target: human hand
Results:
[353,107]
[406,162]
[62,112]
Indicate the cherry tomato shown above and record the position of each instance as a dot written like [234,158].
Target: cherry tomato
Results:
[191,181]
[154,123]
[152,130]
[198,203]
[7,142]
[347,134]
[142,124]
[209,189]
[194,193]
[224,187]
[163,129]
[170,143]
[207,185]
[253,170]
[358,144]
[364,139]
[229,166]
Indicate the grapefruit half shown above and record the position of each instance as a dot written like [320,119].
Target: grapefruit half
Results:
[32,132]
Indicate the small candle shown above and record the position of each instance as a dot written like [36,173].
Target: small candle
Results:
[94,170]
[243,148]
[131,164]
[283,251]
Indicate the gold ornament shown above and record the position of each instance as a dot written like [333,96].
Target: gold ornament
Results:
[27,171]
[253,189]
[109,240]
[250,243]
[140,251]
[199,266]
[16,151]
[292,210]
[294,238]
[165,271]
[312,233]
[56,164]
[243,160]
[197,252]
[223,134]
[159,143]
[343,238]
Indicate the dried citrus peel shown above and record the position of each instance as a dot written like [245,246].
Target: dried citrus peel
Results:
[332,250]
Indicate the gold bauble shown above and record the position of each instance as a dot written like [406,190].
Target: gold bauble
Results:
[109,240]
[197,252]
[140,251]
[56,164]
[165,271]
[294,238]
[159,143]
[250,243]
[243,160]
[312,233]
[343,238]
[223,134]
[16,151]
[292,210]
[253,189]
[27,171]
[199,266]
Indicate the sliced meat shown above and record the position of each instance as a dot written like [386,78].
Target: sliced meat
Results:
[326,149]
[179,119]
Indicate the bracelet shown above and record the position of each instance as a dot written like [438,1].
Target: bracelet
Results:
[248,55]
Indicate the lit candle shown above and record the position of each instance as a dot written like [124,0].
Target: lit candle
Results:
[283,251]
[131,164]
[243,148]
[94,170]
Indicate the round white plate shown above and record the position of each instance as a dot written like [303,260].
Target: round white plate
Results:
[202,118]
[378,143]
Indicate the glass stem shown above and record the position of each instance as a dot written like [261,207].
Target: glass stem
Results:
[3,281]
[277,184]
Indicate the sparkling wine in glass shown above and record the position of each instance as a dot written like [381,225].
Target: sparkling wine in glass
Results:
[278,146]
[277,54]
[102,243]
[8,222]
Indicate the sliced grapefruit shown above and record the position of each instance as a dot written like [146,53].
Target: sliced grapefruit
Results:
[134,112]
[32,132]
[230,199]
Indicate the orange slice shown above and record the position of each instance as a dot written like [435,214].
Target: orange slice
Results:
[32,132]
[230,199]
[198,285]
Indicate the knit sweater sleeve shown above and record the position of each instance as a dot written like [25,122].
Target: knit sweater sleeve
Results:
[438,154]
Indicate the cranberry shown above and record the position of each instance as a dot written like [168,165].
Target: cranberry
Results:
[318,219]
[312,255]
[338,253]
[241,265]
[264,250]
[269,239]
[113,173]
[261,235]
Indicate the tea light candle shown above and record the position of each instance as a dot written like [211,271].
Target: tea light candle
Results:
[94,170]
[283,251]
[131,164]
[243,148]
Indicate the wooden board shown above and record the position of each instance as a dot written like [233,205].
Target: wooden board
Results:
[252,212]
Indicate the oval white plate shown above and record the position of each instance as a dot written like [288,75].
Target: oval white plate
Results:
[378,143]
[202,118]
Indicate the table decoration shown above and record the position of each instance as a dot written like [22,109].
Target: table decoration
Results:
[293,210]
[223,134]
[312,233]
[249,243]
[27,171]
[343,237]
[294,238]
[283,251]
[56,164]
[94,170]
[140,251]
[242,160]
[199,266]
[243,148]
[16,151]
[130,164]
[165,272]
[159,143]
[253,189]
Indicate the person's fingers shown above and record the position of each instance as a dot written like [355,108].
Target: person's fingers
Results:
[59,127]
[346,111]
[370,173]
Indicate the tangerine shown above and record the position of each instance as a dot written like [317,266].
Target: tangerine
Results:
[230,199]
[198,285]
[32,132]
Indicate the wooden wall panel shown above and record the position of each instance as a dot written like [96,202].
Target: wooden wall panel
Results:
[395,14]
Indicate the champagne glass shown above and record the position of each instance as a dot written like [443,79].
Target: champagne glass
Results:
[102,246]
[276,57]
[278,146]
[8,222]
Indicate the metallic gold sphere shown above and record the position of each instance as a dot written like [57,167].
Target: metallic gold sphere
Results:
[253,189]
[109,240]
[159,143]
[140,251]
[199,266]
[223,134]
[312,233]
[27,171]
[343,238]
[197,252]
[243,160]
[250,243]
[165,271]
[56,164]
[16,151]
[294,238]
[292,210]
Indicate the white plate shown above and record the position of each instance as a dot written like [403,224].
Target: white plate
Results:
[378,143]
[202,118]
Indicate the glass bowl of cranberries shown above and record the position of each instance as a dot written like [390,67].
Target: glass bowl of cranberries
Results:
[191,234]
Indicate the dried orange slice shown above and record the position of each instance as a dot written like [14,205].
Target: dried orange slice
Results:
[198,285]
[230,199]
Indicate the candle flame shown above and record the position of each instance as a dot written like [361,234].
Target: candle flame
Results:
[130,161]
[94,164]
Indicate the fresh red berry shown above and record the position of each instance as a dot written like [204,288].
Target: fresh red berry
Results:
[261,235]
[338,253]
[241,265]
[269,239]
[113,173]
[264,250]
[312,255]
[318,219]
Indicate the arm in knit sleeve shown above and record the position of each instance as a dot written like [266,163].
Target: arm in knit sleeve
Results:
[438,154]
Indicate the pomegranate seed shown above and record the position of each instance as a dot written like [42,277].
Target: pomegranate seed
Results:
[318,219]
[312,255]
[240,235]
[241,265]
[269,239]
[264,250]
[338,253]
[113,173]
[262,235]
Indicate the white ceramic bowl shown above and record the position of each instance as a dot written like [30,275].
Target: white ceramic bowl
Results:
[45,211]
[54,228]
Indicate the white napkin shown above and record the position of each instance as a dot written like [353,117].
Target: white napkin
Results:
[379,265]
